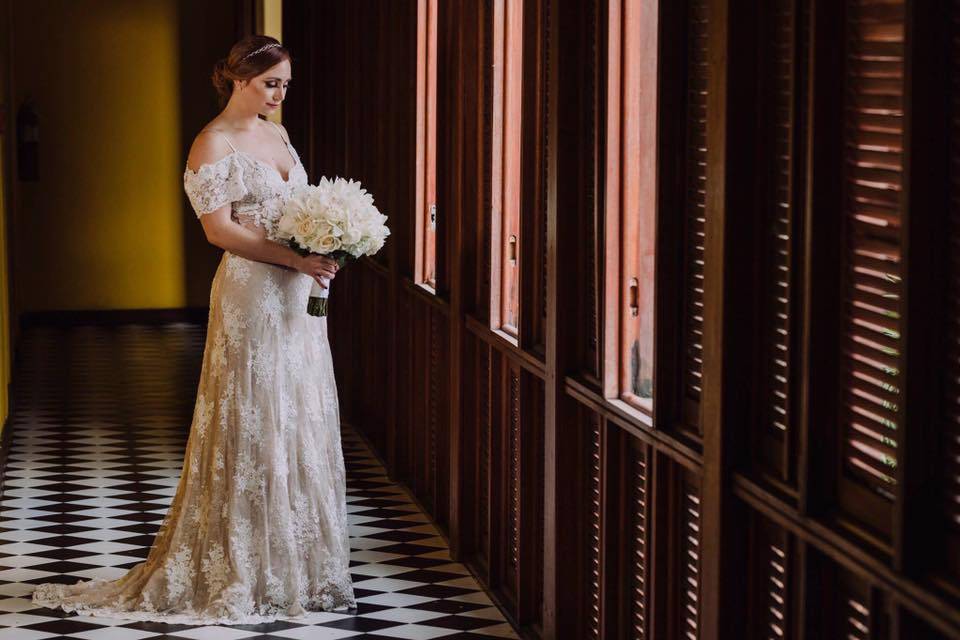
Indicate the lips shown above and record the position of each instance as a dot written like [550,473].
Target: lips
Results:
[270,104]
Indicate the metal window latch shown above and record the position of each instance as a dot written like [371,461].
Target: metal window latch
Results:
[513,249]
[433,216]
[634,297]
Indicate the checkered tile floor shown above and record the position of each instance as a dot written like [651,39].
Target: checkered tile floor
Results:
[102,415]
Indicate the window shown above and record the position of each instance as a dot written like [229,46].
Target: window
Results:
[426,241]
[631,203]
[505,173]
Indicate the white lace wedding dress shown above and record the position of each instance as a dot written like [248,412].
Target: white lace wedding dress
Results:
[257,529]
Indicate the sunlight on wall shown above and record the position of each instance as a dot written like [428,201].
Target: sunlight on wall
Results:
[104,222]
[273,26]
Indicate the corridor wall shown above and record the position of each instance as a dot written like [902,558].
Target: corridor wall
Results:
[787,466]
[7,321]
[101,227]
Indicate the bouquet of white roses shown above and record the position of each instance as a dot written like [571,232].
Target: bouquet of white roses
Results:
[335,218]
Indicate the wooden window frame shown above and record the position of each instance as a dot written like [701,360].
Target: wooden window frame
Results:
[425,258]
[631,187]
[506,147]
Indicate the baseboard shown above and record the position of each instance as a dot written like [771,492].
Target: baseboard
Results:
[77,317]
[6,438]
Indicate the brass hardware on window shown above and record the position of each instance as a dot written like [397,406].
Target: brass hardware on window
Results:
[513,249]
[634,297]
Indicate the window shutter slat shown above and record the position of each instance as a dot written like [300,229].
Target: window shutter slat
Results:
[873,147]
[856,622]
[694,215]
[638,576]
[690,560]
[770,591]
[777,68]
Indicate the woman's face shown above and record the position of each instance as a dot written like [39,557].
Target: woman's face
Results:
[265,92]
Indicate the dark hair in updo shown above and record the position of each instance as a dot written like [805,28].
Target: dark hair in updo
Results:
[237,66]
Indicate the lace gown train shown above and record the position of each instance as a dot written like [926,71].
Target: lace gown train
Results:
[257,529]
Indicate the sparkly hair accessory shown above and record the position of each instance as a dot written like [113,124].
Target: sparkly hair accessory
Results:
[269,45]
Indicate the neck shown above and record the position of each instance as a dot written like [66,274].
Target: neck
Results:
[239,117]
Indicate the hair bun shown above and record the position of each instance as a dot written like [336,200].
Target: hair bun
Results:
[221,78]
[248,58]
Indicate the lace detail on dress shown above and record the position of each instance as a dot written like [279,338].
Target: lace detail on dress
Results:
[253,188]
[257,529]
[215,185]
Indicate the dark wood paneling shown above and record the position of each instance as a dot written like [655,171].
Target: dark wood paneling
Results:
[728,510]
[948,477]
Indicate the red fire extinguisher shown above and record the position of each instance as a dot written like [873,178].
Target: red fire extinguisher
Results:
[28,142]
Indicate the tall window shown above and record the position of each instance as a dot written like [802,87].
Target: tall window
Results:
[631,203]
[426,241]
[505,226]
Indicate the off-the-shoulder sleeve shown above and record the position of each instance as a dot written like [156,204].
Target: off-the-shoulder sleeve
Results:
[214,185]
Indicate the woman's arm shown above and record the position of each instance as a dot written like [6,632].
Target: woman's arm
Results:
[222,231]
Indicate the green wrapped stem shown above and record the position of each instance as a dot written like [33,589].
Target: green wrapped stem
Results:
[317,306]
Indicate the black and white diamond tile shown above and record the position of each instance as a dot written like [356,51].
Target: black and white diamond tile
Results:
[101,420]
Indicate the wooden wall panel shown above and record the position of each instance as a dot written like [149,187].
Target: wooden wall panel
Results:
[772,580]
[781,55]
[949,475]
[791,134]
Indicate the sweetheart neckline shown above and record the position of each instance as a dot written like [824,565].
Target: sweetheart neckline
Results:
[276,171]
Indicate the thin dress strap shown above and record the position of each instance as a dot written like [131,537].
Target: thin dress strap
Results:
[229,143]
[279,133]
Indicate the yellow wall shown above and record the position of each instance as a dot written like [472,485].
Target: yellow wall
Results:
[103,227]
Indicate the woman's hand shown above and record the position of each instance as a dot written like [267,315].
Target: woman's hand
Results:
[317,267]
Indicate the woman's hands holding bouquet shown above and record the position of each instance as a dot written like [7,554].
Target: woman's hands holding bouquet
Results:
[317,266]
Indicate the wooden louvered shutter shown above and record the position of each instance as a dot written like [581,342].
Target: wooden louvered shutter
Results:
[781,123]
[870,336]
[695,173]
[689,565]
[840,604]
[770,576]
[854,620]
[638,569]
[951,413]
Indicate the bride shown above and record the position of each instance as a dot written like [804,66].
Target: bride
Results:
[257,529]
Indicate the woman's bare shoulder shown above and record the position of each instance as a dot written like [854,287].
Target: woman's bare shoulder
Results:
[208,147]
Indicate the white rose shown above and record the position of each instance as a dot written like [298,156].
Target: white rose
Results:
[328,244]
[306,226]
[323,230]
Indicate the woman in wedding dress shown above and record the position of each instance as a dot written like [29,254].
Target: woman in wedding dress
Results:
[257,529]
